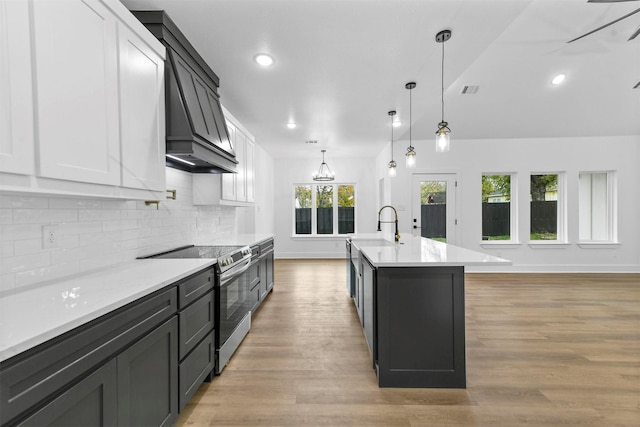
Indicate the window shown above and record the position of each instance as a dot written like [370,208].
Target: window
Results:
[324,209]
[596,207]
[324,206]
[546,207]
[303,209]
[497,209]
[346,209]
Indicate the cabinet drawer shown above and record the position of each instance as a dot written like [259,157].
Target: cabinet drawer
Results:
[265,247]
[195,368]
[254,274]
[35,375]
[196,321]
[193,287]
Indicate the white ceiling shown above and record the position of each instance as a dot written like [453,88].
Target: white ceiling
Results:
[341,65]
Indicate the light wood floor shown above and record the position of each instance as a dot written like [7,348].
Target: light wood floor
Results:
[542,350]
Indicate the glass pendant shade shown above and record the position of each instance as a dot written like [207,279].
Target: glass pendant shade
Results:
[324,173]
[392,168]
[410,158]
[442,137]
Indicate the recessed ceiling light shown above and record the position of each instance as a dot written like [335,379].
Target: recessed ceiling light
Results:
[558,79]
[397,123]
[291,125]
[263,59]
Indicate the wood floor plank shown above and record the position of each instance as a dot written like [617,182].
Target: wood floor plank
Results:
[542,350]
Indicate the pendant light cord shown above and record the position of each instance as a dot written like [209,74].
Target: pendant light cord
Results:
[391,137]
[442,83]
[410,119]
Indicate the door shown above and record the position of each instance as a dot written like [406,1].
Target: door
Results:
[76,84]
[141,75]
[16,102]
[433,207]
[148,379]
[91,402]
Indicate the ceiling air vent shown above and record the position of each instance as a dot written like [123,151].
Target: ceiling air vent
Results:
[311,141]
[469,90]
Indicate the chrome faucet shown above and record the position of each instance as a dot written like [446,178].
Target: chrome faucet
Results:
[397,236]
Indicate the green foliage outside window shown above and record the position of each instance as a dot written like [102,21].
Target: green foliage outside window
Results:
[346,196]
[496,184]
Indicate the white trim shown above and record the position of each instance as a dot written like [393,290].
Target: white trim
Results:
[543,244]
[499,243]
[590,244]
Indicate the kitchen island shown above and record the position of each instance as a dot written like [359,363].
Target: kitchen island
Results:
[410,300]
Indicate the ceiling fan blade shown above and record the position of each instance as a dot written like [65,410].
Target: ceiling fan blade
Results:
[606,25]
[634,35]
[608,1]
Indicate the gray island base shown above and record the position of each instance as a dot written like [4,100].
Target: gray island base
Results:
[410,301]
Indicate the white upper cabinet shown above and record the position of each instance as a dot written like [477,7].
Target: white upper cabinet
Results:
[229,179]
[16,101]
[241,176]
[96,90]
[141,113]
[234,189]
[77,99]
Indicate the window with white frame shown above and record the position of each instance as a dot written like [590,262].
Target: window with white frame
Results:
[547,207]
[324,209]
[498,208]
[596,206]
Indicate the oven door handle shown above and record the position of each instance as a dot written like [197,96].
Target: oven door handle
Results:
[235,271]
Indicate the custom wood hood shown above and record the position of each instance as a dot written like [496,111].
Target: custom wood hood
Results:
[196,131]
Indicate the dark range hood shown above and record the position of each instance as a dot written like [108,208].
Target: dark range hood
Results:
[196,131]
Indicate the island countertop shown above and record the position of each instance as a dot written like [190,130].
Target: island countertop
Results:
[414,251]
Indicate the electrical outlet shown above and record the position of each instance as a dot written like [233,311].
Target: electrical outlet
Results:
[49,236]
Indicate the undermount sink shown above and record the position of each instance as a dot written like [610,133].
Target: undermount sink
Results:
[373,242]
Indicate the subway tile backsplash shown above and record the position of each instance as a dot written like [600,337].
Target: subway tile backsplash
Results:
[97,233]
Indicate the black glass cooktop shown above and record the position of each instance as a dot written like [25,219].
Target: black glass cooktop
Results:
[198,252]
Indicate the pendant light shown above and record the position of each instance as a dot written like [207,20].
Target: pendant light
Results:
[324,173]
[392,163]
[410,156]
[442,134]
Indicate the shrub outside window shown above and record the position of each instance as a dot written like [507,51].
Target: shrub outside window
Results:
[497,208]
[546,208]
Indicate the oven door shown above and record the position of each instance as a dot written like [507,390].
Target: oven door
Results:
[233,301]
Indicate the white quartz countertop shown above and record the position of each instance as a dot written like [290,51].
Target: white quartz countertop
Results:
[35,315]
[381,250]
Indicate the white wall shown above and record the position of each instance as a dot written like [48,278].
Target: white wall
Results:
[96,233]
[469,159]
[290,171]
[263,212]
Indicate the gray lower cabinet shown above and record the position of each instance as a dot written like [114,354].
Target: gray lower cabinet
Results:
[413,322]
[148,379]
[266,268]
[196,335]
[136,366]
[90,402]
[420,327]
[261,280]
[367,284]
